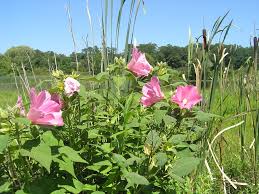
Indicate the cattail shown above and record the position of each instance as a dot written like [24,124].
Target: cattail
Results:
[255,53]
[198,73]
[256,43]
[204,36]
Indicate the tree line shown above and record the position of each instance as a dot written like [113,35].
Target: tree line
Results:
[90,58]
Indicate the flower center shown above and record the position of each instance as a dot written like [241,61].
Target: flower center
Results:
[185,101]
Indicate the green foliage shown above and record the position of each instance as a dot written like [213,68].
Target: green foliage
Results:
[3,142]
[109,142]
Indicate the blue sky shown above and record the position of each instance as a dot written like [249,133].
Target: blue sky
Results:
[43,24]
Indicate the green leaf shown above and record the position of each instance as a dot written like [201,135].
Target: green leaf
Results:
[42,154]
[127,113]
[177,139]
[24,152]
[98,192]
[88,187]
[161,159]
[119,159]
[70,189]
[71,154]
[153,139]
[66,164]
[78,185]
[106,147]
[159,115]
[3,142]
[133,123]
[20,192]
[60,191]
[93,133]
[22,120]
[185,166]
[82,91]
[49,139]
[164,77]
[98,78]
[98,165]
[5,187]
[119,81]
[168,120]
[83,187]
[135,179]
[185,153]
[205,117]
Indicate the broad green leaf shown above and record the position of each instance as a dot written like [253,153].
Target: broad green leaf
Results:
[164,77]
[205,117]
[83,187]
[119,81]
[42,154]
[185,166]
[102,76]
[106,147]
[135,179]
[98,78]
[22,120]
[98,165]
[78,185]
[153,139]
[88,187]
[70,189]
[176,177]
[127,113]
[82,91]
[49,139]
[161,159]
[168,120]
[133,123]
[177,139]
[66,164]
[24,152]
[71,154]
[60,191]
[3,142]
[159,115]
[119,159]
[97,192]
[93,133]
[95,95]
[22,192]
[185,153]
[5,187]
[194,147]
[133,159]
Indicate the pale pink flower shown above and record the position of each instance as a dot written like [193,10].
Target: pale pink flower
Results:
[19,105]
[186,96]
[71,86]
[44,110]
[151,92]
[139,64]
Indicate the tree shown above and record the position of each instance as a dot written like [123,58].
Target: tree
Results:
[20,55]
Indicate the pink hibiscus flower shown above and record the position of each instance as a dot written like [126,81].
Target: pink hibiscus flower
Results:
[186,96]
[151,92]
[44,110]
[139,64]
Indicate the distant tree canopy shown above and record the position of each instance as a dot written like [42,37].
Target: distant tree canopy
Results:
[90,58]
